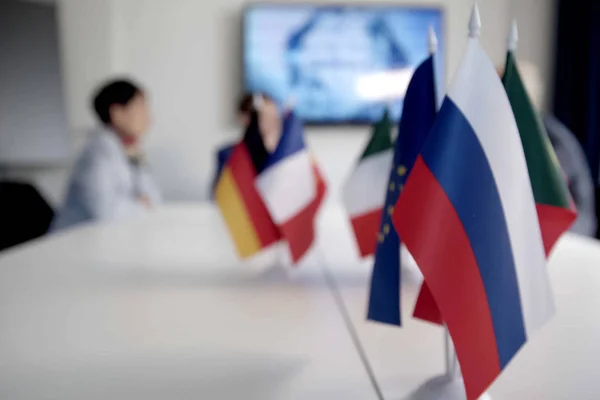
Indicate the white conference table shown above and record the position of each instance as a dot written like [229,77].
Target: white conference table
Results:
[160,308]
[562,361]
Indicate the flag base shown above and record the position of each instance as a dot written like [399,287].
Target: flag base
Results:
[442,387]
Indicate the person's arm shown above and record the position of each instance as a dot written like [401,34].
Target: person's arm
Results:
[101,194]
[148,187]
[573,161]
[583,194]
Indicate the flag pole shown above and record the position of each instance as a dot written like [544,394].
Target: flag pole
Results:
[448,351]
[452,370]
[337,296]
[513,36]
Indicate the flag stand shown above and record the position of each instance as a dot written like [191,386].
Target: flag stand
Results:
[337,296]
[449,386]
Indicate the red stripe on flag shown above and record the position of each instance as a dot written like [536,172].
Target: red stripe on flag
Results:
[425,308]
[366,228]
[244,174]
[433,233]
[554,221]
[299,231]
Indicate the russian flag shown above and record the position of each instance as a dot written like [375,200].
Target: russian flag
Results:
[468,217]
[292,187]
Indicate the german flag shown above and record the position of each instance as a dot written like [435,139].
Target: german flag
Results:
[245,214]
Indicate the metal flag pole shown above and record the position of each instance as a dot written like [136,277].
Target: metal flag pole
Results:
[448,351]
[337,296]
[339,301]
[452,370]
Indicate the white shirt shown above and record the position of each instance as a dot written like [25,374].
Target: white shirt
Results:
[105,185]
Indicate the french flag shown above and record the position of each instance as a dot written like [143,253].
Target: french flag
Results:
[468,217]
[292,188]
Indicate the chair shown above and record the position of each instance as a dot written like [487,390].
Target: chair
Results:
[24,214]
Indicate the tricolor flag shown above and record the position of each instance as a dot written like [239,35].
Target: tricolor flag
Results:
[292,188]
[418,116]
[222,157]
[245,214]
[468,217]
[364,191]
[555,209]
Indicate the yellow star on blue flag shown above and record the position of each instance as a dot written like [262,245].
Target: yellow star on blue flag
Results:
[419,112]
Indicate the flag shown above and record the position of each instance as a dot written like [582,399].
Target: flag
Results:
[553,200]
[222,157]
[364,191]
[292,188]
[468,217]
[417,118]
[242,207]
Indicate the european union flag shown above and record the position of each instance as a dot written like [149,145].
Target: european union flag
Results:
[419,112]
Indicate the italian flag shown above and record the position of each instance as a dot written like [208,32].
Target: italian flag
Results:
[555,208]
[365,190]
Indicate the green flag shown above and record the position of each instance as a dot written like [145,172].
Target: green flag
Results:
[555,208]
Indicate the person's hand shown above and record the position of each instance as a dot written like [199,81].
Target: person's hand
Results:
[133,151]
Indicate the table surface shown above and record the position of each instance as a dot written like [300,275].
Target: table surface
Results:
[161,308]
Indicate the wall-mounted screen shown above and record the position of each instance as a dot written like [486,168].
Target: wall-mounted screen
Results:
[340,64]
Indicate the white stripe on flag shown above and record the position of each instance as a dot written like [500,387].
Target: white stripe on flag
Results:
[288,186]
[490,115]
[365,190]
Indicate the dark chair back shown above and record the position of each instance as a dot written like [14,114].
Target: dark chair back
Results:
[24,214]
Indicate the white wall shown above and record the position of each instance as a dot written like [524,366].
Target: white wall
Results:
[537,26]
[88,39]
[188,54]
[35,145]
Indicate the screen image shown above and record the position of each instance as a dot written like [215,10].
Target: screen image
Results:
[339,64]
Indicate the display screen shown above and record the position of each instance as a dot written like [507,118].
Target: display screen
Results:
[339,64]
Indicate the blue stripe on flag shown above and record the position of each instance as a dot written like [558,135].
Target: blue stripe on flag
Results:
[291,141]
[384,298]
[418,114]
[460,165]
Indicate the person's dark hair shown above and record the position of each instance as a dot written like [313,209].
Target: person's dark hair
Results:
[114,92]
[246,103]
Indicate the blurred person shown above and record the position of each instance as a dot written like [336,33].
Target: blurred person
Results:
[270,125]
[110,180]
[570,155]
[269,118]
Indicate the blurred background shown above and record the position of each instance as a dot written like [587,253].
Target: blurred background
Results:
[195,58]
